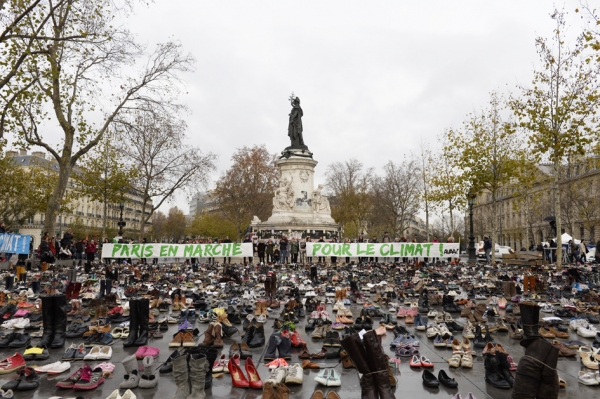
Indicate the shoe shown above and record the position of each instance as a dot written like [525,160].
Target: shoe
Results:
[294,374]
[446,380]
[20,341]
[429,379]
[415,361]
[323,377]
[588,378]
[92,355]
[277,375]
[238,379]
[90,379]
[12,363]
[253,376]
[334,379]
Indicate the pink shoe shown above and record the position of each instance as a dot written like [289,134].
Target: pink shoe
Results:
[152,351]
[513,365]
[401,312]
[141,352]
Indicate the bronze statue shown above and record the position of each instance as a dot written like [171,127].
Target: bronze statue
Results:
[295,125]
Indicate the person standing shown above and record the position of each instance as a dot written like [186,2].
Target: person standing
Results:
[360,240]
[294,250]
[90,253]
[261,249]
[283,249]
[487,247]
[227,259]
[321,258]
[386,239]
[582,251]
[334,258]
[374,241]
[248,240]
[79,250]
[270,251]
[347,241]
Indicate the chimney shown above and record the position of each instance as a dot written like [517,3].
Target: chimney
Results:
[22,152]
[39,154]
[11,153]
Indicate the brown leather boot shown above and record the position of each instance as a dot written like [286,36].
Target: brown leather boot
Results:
[209,338]
[258,310]
[282,392]
[379,365]
[355,349]
[218,334]
[479,311]
[268,390]
[347,363]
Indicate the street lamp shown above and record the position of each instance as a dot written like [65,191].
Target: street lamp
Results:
[121,222]
[471,202]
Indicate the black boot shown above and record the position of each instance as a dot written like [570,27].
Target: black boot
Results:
[47,321]
[530,316]
[493,376]
[59,321]
[211,356]
[143,306]
[258,338]
[505,367]
[133,323]
[271,352]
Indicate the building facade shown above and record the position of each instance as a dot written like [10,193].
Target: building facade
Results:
[524,213]
[84,210]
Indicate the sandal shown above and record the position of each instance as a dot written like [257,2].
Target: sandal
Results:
[587,358]
[125,333]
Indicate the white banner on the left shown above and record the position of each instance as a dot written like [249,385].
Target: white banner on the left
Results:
[154,250]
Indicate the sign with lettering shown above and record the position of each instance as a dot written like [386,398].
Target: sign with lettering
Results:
[153,250]
[391,249]
[14,243]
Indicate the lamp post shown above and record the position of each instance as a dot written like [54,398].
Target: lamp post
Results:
[121,222]
[471,202]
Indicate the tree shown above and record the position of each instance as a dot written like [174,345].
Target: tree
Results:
[247,187]
[73,81]
[396,196]
[165,163]
[425,182]
[159,221]
[25,190]
[559,111]
[446,190]
[103,176]
[211,225]
[350,199]
[485,152]
[175,225]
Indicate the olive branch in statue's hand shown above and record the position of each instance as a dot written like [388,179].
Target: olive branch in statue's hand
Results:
[292,97]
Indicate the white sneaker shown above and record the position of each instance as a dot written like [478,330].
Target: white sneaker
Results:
[444,332]
[43,369]
[432,313]
[588,378]
[432,330]
[128,395]
[294,374]
[468,331]
[59,367]
[588,331]
[93,354]
[21,323]
[277,375]
[113,395]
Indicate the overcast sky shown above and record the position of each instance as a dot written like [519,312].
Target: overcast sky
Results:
[374,78]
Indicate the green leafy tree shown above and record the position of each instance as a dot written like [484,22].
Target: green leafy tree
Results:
[485,152]
[247,187]
[175,225]
[211,225]
[559,110]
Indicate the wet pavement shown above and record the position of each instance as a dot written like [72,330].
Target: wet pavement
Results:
[409,380]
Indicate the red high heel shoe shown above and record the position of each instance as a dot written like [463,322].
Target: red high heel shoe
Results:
[238,379]
[253,376]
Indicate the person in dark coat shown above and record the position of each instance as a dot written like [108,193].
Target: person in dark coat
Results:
[261,248]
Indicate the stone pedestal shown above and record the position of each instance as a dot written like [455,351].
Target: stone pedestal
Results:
[297,205]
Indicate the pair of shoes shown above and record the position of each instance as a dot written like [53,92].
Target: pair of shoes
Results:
[54,320]
[15,340]
[36,353]
[99,353]
[139,316]
[75,352]
[286,375]
[115,395]
[318,394]
[278,343]
[192,373]
[238,379]
[329,378]
[422,361]
[144,351]
[54,368]
[83,379]
[27,380]
[273,389]
[182,338]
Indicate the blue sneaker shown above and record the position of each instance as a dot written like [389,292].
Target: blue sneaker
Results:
[419,323]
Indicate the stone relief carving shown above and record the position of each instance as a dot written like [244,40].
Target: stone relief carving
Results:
[304,176]
[319,202]
[284,196]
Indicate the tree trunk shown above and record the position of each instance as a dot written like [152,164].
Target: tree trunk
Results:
[427,218]
[557,215]
[58,194]
[493,235]
[104,217]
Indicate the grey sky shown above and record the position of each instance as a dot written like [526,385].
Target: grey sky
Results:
[373,77]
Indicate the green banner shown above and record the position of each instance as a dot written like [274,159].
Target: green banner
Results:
[392,249]
[153,250]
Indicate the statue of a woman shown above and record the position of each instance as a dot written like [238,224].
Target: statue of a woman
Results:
[295,124]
